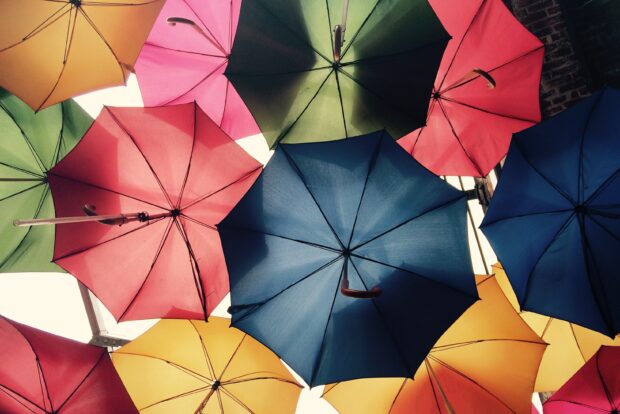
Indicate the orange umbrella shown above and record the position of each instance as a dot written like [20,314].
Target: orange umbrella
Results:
[485,363]
[53,50]
[185,367]
[570,345]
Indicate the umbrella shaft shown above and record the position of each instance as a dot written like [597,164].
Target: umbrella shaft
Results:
[119,218]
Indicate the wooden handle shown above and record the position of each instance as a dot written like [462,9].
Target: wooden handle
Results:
[358,294]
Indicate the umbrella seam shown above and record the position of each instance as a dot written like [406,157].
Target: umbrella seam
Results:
[359,29]
[400,389]
[486,111]
[196,85]
[9,391]
[344,121]
[190,52]
[486,224]
[580,177]
[236,400]
[210,366]
[232,356]
[179,367]
[174,397]
[603,186]
[99,360]
[219,45]
[189,162]
[35,156]
[197,276]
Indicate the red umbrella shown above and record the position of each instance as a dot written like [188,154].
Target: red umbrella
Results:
[594,389]
[161,178]
[184,59]
[44,373]
[486,89]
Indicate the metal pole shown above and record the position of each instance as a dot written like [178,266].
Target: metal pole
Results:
[119,219]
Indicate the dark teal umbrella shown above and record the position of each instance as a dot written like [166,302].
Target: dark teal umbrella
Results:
[348,259]
[31,143]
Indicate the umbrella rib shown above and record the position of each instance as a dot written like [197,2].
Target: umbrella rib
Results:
[371,165]
[426,365]
[400,389]
[36,214]
[388,328]
[577,403]
[257,305]
[329,24]
[344,120]
[157,253]
[232,382]
[207,76]
[604,185]
[572,330]
[307,243]
[235,399]
[591,217]
[283,134]
[42,26]
[448,347]
[203,197]
[174,397]
[131,138]
[172,364]
[9,392]
[232,356]
[566,210]
[28,143]
[218,45]
[428,210]
[294,32]
[190,52]
[200,223]
[227,89]
[359,29]
[527,286]
[82,250]
[22,191]
[457,372]
[317,361]
[202,296]
[59,143]
[455,135]
[98,187]
[486,111]
[204,351]
[38,175]
[189,163]
[414,274]
[108,4]
[219,400]
[103,353]
[580,177]
[303,180]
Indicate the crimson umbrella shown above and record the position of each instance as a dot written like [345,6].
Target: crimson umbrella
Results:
[595,388]
[486,89]
[184,59]
[41,373]
[156,181]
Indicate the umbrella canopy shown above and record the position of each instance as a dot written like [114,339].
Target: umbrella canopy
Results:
[177,174]
[337,247]
[486,89]
[570,345]
[41,373]
[184,59]
[53,50]
[553,221]
[31,144]
[303,84]
[196,367]
[594,389]
[485,363]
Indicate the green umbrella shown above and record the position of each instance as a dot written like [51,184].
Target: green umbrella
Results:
[30,144]
[324,70]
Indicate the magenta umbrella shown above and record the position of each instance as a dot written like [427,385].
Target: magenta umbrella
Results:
[184,58]
[594,389]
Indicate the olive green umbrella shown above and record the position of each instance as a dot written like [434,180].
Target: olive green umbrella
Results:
[30,144]
[323,70]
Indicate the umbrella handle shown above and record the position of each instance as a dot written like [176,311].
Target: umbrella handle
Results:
[491,84]
[358,294]
[339,31]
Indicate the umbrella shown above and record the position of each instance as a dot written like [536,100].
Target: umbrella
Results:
[486,89]
[485,363]
[196,367]
[337,248]
[570,345]
[305,81]
[53,50]
[594,389]
[41,373]
[31,144]
[160,178]
[184,59]
[553,221]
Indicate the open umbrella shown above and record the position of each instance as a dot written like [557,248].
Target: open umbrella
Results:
[160,179]
[204,368]
[570,345]
[485,363]
[340,246]
[553,220]
[486,89]
[305,81]
[594,389]
[41,373]
[184,59]
[53,50]
[31,144]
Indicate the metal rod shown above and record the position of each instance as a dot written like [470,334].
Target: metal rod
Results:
[174,20]
[475,230]
[119,219]
[345,15]
[444,397]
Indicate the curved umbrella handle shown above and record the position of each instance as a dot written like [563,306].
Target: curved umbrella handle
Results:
[358,294]
[491,84]
[338,41]
[90,210]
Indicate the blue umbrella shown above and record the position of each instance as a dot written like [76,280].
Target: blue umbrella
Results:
[554,219]
[348,259]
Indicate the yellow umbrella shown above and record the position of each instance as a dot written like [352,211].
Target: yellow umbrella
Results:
[485,363]
[182,366]
[53,50]
[570,345]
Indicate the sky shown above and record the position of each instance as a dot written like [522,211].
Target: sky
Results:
[52,301]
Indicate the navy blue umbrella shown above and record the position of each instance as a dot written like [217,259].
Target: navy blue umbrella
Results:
[348,259]
[554,221]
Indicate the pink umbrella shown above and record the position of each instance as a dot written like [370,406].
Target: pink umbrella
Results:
[595,388]
[184,58]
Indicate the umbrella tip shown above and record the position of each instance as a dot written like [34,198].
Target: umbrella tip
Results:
[76,3]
